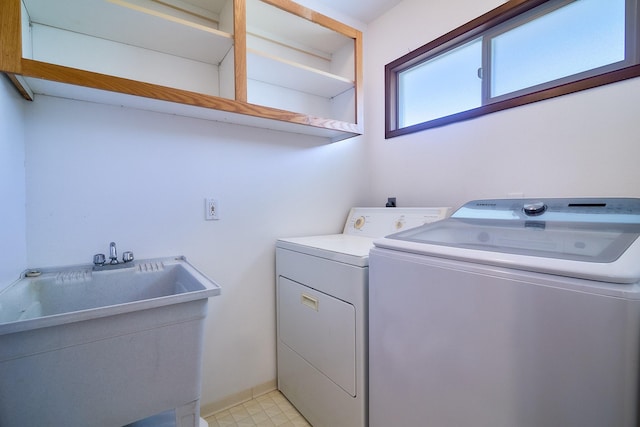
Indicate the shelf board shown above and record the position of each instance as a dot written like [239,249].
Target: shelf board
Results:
[267,18]
[280,72]
[135,25]
[115,91]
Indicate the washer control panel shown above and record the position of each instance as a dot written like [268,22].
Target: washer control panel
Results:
[584,210]
[379,222]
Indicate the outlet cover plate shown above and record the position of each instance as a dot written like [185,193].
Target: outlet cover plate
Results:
[211,209]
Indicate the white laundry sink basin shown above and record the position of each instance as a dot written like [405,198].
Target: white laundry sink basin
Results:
[60,295]
[104,348]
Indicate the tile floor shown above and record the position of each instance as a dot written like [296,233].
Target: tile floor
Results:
[269,410]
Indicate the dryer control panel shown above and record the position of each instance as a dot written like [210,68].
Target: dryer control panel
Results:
[379,222]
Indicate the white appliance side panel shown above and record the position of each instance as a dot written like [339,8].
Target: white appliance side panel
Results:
[342,248]
[315,396]
[460,344]
[343,281]
[321,329]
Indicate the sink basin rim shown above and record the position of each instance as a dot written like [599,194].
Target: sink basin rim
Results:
[210,288]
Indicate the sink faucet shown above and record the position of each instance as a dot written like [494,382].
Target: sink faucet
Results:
[113,254]
[100,261]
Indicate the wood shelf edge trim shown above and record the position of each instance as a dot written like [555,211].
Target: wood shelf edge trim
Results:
[161,15]
[61,74]
[240,49]
[10,36]
[300,66]
[20,86]
[313,16]
[359,79]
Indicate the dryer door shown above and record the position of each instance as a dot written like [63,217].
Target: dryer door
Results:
[321,329]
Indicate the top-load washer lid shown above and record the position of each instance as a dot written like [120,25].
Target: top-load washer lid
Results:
[588,238]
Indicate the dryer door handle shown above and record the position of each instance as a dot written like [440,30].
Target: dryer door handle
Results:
[309,301]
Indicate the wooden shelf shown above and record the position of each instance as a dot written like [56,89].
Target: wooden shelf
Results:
[211,32]
[280,72]
[269,19]
[141,26]
[63,82]
[301,61]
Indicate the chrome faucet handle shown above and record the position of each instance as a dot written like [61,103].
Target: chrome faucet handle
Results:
[127,256]
[99,259]
[113,253]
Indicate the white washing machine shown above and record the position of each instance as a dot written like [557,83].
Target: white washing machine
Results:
[509,314]
[322,314]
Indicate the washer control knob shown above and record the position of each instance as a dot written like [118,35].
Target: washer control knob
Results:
[359,223]
[534,208]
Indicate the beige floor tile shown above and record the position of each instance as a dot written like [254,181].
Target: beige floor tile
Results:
[269,410]
[260,417]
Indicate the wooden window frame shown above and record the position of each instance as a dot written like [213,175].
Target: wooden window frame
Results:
[465,33]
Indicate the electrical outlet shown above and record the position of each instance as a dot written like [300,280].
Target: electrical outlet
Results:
[211,209]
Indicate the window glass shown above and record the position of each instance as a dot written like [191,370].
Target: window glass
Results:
[511,56]
[580,36]
[444,85]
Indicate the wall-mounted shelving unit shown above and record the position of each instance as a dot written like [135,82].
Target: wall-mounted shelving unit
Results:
[287,53]
[264,63]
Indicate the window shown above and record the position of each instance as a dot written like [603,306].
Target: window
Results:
[422,96]
[521,52]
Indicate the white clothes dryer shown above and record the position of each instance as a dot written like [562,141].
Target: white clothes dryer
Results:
[322,296]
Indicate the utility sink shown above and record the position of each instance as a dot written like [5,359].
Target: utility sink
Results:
[61,295]
[103,348]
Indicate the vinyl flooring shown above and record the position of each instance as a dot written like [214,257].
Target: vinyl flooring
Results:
[269,410]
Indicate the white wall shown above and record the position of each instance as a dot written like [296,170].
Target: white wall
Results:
[584,144]
[13,249]
[99,173]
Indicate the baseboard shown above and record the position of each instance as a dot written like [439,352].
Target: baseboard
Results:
[238,398]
